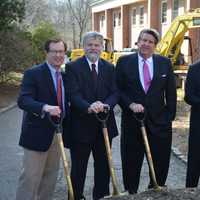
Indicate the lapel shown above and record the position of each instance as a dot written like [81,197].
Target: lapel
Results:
[49,81]
[155,73]
[136,73]
[86,71]
[101,78]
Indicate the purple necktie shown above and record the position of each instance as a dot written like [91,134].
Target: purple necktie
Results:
[147,77]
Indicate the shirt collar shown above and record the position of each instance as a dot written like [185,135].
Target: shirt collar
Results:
[148,60]
[90,63]
[52,68]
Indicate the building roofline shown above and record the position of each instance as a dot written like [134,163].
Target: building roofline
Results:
[97,2]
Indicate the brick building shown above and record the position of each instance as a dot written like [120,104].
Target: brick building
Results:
[122,20]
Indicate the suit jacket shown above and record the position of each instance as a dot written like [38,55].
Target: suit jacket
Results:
[192,97]
[38,89]
[85,127]
[159,101]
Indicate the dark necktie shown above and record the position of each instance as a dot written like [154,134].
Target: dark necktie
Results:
[147,77]
[94,76]
[59,89]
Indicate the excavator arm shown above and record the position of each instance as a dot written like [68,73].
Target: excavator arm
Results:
[171,42]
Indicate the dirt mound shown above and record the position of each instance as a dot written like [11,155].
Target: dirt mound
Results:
[165,194]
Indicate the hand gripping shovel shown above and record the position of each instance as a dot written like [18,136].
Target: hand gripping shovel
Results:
[147,148]
[103,117]
[58,127]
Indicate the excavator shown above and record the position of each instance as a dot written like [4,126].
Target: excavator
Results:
[106,54]
[169,45]
[171,42]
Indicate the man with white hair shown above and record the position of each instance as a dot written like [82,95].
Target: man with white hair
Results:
[92,85]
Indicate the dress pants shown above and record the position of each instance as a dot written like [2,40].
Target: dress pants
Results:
[193,165]
[80,153]
[132,155]
[39,173]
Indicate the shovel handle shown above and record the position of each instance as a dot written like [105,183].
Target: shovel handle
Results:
[103,116]
[140,117]
[56,124]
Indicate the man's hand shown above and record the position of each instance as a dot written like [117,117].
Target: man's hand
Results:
[52,110]
[97,107]
[136,108]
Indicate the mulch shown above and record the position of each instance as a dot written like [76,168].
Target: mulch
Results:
[164,194]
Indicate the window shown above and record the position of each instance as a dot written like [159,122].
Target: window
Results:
[175,8]
[119,19]
[134,16]
[114,19]
[141,15]
[164,12]
[102,21]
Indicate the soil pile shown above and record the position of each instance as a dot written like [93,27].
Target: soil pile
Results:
[165,194]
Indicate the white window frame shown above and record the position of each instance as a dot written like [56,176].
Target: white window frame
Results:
[141,21]
[102,21]
[134,16]
[163,13]
[175,10]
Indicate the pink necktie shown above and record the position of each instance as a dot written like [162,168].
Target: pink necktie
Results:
[147,77]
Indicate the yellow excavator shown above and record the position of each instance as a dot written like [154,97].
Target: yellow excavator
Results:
[169,45]
[171,42]
[107,52]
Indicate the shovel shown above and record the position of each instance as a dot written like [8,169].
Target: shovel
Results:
[103,117]
[58,131]
[147,148]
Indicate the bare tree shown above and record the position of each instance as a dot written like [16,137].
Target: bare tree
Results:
[80,15]
[37,11]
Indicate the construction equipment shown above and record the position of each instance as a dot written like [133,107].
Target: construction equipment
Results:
[106,54]
[169,45]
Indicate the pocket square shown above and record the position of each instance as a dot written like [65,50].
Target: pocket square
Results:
[163,75]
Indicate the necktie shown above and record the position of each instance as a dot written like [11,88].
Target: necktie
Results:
[59,89]
[147,77]
[94,76]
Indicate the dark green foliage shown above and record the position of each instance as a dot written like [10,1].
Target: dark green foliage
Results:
[11,11]
[15,51]
[40,35]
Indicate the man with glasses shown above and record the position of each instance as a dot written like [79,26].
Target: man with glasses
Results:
[42,91]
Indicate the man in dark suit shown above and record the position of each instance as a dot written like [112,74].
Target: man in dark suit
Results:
[146,83]
[92,85]
[192,97]
[42,91]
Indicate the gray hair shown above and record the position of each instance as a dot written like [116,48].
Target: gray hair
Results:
[93,35]
[152,32]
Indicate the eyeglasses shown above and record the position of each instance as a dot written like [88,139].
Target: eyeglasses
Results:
[57,52]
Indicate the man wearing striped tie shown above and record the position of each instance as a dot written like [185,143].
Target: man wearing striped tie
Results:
[147,85]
